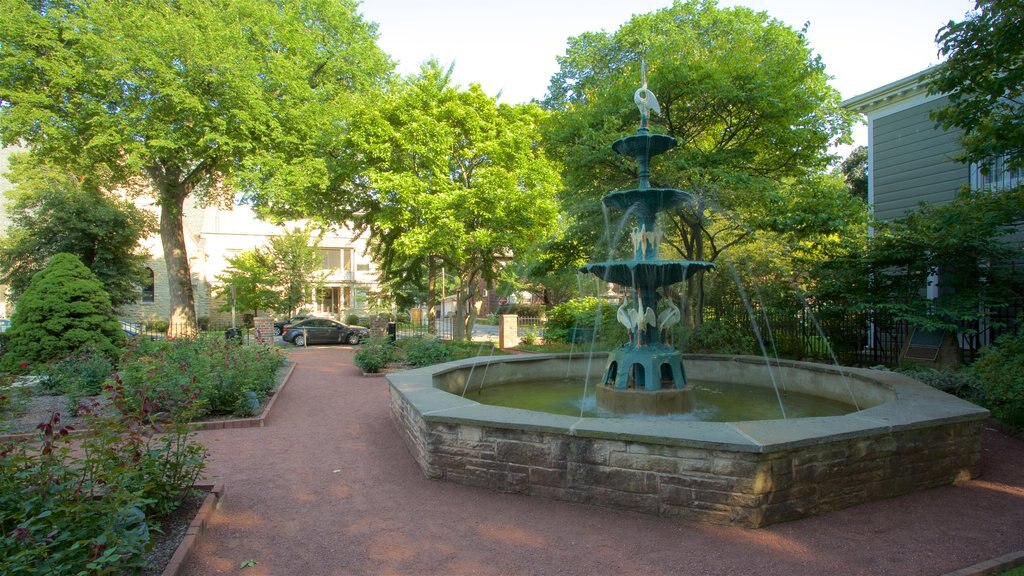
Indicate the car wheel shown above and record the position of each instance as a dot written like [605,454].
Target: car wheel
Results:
[353,339]
[300,340]
[277,330]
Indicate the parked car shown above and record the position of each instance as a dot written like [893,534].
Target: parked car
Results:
[279,326]
[324,331]
[4,324]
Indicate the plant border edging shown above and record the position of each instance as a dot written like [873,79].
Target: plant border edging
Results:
[194,533]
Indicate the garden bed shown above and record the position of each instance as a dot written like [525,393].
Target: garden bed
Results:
[39,407]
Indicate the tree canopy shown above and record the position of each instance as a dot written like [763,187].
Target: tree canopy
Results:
[983,75]
[185,97]
[452,179]
[743,94]
[53,211]
[279,276]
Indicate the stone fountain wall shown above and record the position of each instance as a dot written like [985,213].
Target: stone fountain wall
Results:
[751,474]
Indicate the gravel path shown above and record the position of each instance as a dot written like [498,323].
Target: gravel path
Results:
[328,488]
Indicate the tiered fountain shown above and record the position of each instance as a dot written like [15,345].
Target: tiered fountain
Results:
[896,435]
[646,374]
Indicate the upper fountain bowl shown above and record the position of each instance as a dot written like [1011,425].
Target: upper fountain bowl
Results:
[643,144]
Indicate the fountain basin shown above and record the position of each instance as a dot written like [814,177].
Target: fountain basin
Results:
[906,437]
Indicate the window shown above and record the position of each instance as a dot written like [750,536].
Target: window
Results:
[362,267]
[994,175]
[148,286]
[331,258]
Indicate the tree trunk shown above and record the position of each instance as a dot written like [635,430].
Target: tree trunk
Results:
[432,295]
[182,322]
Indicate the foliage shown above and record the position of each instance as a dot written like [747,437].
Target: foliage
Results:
[718,337]
[748,103]
[63,310]
[225,377]
[279,277]
[424,351]
[999,374]
[587,313]
[452,180]
[960,383]
[53,211]
[90,510]
[352,319]
[960,248]
[854,169]
[983,75]
[180,99]
[523,310]
[77,375]
[374,355]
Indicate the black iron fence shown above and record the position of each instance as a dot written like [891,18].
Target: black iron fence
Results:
[205,330]
[852,338]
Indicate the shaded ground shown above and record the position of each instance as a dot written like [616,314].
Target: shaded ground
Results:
[328,488]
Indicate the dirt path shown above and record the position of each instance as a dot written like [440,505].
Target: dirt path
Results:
[328,488]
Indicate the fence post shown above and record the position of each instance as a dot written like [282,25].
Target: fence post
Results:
[508,331]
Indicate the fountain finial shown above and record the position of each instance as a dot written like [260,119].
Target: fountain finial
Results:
[645,99]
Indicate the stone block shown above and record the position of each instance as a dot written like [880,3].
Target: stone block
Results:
[523,453]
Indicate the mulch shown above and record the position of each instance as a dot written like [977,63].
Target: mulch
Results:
[328,487]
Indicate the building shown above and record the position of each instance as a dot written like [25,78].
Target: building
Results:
[911,159]
[212,235]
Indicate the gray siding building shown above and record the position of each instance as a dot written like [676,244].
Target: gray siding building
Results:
[910,159]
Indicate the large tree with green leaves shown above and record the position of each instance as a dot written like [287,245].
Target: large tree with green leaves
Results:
[280,276]
[453,179]
[53,211]
[743,94]
[983,75]
[183,98]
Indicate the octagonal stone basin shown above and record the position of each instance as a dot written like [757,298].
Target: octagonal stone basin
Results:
[906,437]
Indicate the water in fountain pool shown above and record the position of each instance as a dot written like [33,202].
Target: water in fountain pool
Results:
[716,401]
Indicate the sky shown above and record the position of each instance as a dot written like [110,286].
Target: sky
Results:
[510,46]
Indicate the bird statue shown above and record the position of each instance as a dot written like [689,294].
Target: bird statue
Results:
[642,317]
[637,236]
[645,99]
[668,318]
[622,315]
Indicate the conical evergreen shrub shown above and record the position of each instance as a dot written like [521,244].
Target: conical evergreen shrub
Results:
[63,310]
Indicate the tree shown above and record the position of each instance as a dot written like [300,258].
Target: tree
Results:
[280,276]
[184,98]
[453,180]
[855,171]
[983,75]
[746,99]
[53,211]
[63,310]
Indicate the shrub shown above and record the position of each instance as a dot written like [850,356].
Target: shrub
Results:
[959,383]
[352,319]
[999,376]
[425,351]
[90,510]
[718,338]
[77,375]
[582,313]
[374,355]
[220,372]
[63,310]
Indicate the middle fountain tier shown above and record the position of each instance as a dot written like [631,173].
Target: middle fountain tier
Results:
[646,374]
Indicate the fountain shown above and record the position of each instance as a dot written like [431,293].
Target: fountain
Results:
[645,375]
[898,437]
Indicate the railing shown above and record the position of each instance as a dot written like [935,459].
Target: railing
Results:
[206,330]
